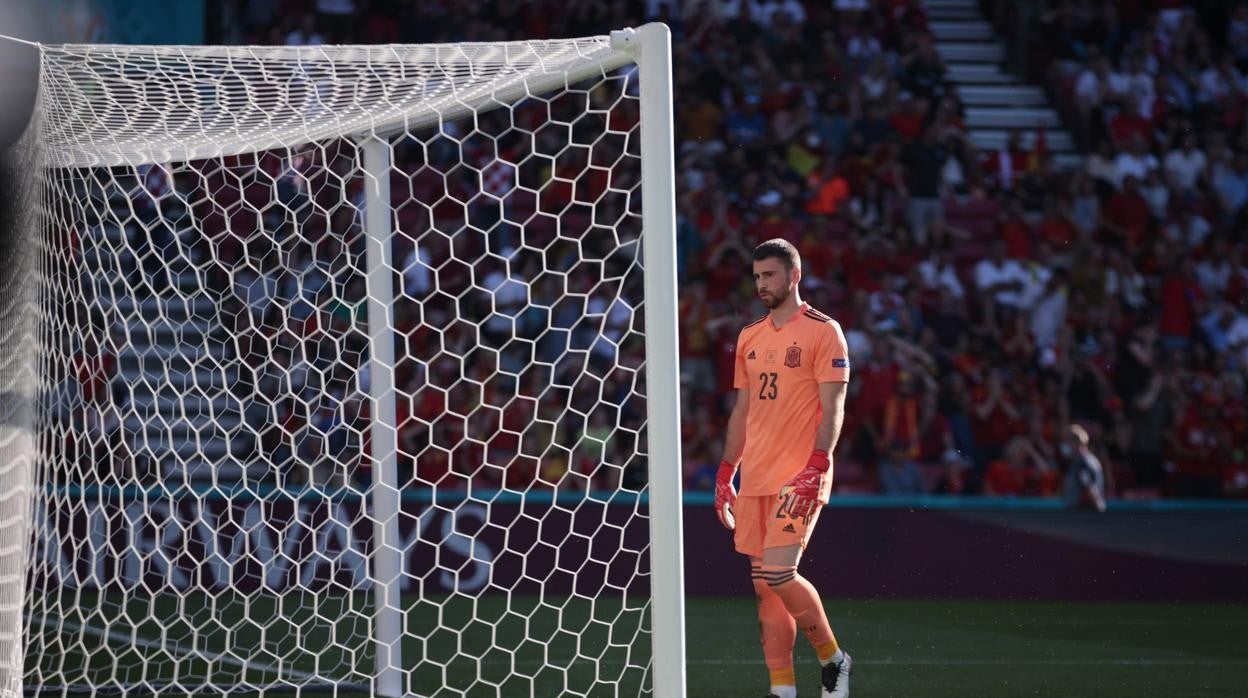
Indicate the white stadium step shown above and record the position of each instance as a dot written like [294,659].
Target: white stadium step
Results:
[159,446]
[225,470]
[199,378]
[1068,161]
[1057,141]
[142,345]
[1002,96]
[220,403]
[970,52]
[978,74]
[112,283]
[1020,117]
[963,31]
[203,424]
[192,330]
[146,393]
[172,307]
[132,362]
[955,14]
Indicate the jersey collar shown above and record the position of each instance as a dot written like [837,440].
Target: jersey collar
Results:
[771,320]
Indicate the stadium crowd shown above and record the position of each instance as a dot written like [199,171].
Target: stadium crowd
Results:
[990,300]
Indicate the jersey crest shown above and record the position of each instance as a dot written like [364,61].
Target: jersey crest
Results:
[793,357]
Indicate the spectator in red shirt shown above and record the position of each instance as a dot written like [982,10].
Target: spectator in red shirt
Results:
[995,418]
[1013,228]
[1056,227]
[724,331]
[1181,303]
[775,221]
[1129,123]
[1021,472]
[830,188]
[1196,446]
[697,369]
[937,436]
[718,219]
[726,267]
[900,420]
[878,380]
[1127,216]
[908,121]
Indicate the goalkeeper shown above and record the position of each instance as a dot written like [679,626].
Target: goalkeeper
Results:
[792,368]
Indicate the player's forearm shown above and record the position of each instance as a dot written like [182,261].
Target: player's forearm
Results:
[734,441]
[829,430]
[830,425]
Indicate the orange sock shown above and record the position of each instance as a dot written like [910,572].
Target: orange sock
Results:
[783,677]
[802,602]
[784,682]
[777,629]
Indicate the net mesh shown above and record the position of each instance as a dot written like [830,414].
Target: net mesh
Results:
[205,520]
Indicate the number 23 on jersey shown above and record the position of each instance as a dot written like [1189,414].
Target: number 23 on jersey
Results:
[767,389]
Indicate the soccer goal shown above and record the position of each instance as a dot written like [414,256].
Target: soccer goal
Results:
[356,371]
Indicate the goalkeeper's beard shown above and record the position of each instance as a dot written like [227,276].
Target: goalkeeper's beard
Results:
[774,299]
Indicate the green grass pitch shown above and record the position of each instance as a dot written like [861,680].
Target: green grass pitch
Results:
[901,648]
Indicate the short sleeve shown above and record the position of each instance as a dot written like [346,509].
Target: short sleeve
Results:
[741,377]
[832,360]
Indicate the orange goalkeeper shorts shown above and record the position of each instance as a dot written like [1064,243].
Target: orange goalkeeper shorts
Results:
[761,525]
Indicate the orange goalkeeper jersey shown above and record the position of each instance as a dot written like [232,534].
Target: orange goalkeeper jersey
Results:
[782,369]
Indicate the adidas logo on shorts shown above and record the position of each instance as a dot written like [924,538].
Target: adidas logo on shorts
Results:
[788,528]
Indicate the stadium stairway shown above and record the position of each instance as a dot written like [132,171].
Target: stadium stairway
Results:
[175,368]
[996,101]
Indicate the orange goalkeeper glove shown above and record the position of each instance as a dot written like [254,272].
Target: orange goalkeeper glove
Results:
[804,489]
[725,495]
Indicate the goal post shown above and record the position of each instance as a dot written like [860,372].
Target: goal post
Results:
[387,554]
[658,179]
[18,371]
[358,371]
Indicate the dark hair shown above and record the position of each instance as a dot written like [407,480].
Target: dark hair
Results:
[781,249]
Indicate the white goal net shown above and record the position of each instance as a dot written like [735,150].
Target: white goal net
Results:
[356,372]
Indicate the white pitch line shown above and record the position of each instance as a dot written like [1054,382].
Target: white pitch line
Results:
[933,662]
[124,639]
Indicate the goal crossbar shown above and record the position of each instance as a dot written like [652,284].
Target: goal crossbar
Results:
[102,117]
